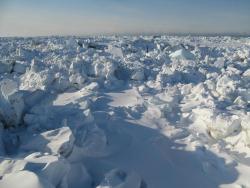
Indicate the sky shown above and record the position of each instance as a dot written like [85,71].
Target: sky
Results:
[93,17]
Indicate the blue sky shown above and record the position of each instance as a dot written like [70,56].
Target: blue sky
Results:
[84,17]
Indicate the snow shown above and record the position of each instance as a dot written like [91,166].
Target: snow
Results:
[24,179]
[125,112]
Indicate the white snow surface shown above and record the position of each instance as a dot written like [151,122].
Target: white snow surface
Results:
[125,112]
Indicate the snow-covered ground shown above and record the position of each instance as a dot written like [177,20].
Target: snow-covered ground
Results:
[125,112]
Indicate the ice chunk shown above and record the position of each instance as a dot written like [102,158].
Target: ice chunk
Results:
[104,69]
[115,51]
[11,103]
[182,54]
[92,87]
[226,86]
[224,125]
[37,65]
[6,66]
[246,75]
[20,67]
[240,101]
[143,44]
[245,94]
[33,80]
[77,80]
[88,116]
[8,87]
[9,166]
[220,63]
[58,141]
[143,89]
[61,82]
[138,75]
[72,43]
[245,122]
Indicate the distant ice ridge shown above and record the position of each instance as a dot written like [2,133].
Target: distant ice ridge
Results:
[124,112]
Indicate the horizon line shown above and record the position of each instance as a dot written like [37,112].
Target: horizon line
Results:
[230,34]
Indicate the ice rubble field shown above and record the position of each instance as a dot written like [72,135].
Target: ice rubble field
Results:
[125,112]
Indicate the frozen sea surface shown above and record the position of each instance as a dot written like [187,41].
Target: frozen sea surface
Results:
[125,112]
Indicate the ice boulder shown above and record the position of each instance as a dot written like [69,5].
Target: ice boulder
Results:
[72,43]
[6,66]
[142,44]
[93,86]
[246,75]
[10,166]
[33,80]
[104,69]
[245,94]
[219,63]
[138,75]
[143,89]
[182,54]
[8,87]
[11,103]
[37,77]
[24,53]
[78,66]
[246,128]
[37,65]
[77,80]
[20,67]
[240,101]
[119,179]
[202,117]
[226,86]
[224,125]
[115,51]
[245,122]
[61,82]
[59,141]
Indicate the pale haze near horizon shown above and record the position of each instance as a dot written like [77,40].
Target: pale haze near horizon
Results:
[87,17]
